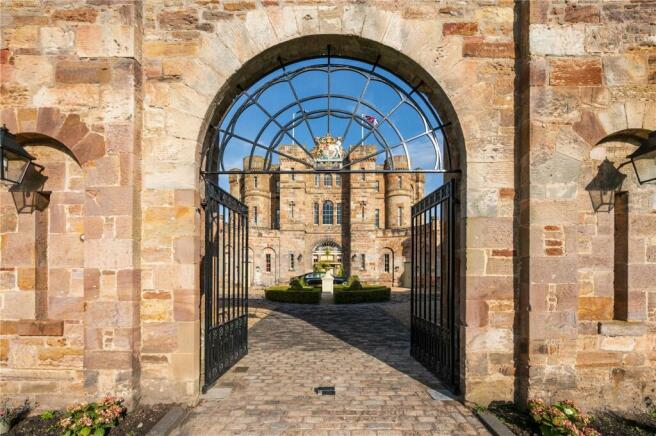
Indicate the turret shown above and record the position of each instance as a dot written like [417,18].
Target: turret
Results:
[256,189]
[399,194]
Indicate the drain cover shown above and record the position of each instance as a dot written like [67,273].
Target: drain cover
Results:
[240,369]
[325,390]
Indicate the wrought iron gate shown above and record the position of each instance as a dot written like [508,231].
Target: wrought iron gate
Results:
[434,296]
[225,282]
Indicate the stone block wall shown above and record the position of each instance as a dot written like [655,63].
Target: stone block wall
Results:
[589,70]
[71,88]
[125,92]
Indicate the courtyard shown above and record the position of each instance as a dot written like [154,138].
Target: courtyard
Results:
[362,350]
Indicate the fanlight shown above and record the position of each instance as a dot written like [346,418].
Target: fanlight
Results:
[328,107]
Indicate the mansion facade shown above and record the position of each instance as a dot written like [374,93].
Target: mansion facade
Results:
[360,220]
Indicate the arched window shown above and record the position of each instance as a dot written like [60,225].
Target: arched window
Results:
[338,180]
[328,180]
[328,212]
[317,180]
[339,213]
[315,208]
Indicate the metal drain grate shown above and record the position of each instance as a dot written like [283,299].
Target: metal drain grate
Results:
[325,390]
[240,369]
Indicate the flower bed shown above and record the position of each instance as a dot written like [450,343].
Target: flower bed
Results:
[137,422]
[564,418]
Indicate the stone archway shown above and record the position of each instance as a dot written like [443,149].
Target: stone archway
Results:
[338,46]
[188,77]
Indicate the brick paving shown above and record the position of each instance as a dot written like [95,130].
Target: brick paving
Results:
[359,349]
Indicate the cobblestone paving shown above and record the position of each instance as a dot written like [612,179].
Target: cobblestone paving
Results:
[359,349]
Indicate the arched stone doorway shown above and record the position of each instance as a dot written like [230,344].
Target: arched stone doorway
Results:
[225,128]
[329,252]
[219,63]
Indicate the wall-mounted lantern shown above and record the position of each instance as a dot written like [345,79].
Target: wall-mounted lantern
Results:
[15,160]
[29,195]
[603,187]
[644,159]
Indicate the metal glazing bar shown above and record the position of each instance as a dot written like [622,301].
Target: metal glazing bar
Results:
[328,79]
[291,87]
[308,115]
[266,112]
[417,136]
[336,113]
[357,106]
[389,114]
[255,144]
[315,171]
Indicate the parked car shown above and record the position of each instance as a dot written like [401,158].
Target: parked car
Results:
[314,278]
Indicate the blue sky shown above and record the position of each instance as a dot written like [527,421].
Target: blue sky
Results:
[274,109]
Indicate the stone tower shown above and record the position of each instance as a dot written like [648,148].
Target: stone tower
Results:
[399,195]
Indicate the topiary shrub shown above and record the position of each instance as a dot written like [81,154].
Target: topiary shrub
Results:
[297,284]
[356,284]
[350,281]
[284,294]
[367,294]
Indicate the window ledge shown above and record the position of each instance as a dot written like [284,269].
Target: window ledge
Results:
[622,328]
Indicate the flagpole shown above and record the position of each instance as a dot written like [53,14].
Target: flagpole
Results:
[293,126]
[362,130]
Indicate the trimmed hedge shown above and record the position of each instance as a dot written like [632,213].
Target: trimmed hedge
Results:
[285,294]
[368,294]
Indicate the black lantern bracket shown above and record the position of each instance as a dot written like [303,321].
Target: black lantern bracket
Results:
[605,185]
[643,159]
[14,159]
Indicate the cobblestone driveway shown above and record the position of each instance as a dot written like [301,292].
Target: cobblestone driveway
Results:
[359,349]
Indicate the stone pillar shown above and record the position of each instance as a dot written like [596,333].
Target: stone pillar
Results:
[327,282]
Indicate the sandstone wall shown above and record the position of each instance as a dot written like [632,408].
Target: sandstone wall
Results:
[591,74]
[71,86]
[128,87]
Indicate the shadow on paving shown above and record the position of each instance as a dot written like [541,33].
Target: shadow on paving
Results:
[366,327]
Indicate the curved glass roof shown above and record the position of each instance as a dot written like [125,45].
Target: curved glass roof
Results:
[356,103]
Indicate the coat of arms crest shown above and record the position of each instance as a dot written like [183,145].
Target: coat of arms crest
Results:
[328,152]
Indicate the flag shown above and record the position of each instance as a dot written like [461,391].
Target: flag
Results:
[371,120]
